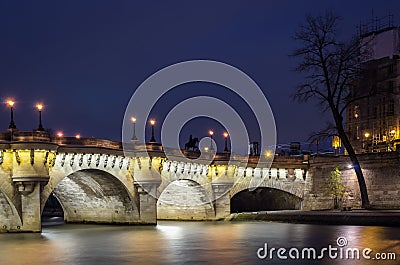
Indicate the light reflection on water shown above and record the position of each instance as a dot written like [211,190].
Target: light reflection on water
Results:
[187,243]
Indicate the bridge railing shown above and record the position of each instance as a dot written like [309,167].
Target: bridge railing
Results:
[42,136]
[91,142]
[17,136]
[155,148]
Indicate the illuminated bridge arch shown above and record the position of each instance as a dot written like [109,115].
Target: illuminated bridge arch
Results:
[282,191]
[93,195]
[291,187]
[185,199]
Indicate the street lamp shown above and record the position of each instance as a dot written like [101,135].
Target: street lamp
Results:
[39,107]
[78,136]
[152,123]
[268,154]
[60,134]
[366,135]
[226,135]
[211,133]
[134,138]
[11,103]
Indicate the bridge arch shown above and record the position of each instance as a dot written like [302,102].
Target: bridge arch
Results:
[94,195]
[264,199]
[295,188]
[185,199]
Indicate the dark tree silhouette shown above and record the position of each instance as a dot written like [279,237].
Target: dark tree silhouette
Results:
[331,67]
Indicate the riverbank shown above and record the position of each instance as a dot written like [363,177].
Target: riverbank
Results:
[355,217]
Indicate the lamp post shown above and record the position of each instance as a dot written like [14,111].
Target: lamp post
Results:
[152,123]
[134,138]
[12,125]
[226,135]
[211,133]
[39,107]
[366,135]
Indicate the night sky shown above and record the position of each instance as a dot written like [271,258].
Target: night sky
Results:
[84,59]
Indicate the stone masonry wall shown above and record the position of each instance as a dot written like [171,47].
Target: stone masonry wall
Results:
[381,172]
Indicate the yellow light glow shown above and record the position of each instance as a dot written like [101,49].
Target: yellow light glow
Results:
[10,102]
[336,142]
[39,106]
[355,115]
[393,131]
[206,148]
[226,134]
[268,153]
[60,134]
[366,134]
[152,122]
[211,132]
[78,136]
[133,119]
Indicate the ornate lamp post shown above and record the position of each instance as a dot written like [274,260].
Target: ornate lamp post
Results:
[152,123]
[134,138]
[226,135]
[211,133]
[39,107]
[11,103]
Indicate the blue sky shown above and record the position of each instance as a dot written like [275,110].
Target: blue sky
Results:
[84,59]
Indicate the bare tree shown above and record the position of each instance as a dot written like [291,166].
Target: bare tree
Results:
[331,67]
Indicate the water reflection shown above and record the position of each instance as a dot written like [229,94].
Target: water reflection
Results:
[187,243]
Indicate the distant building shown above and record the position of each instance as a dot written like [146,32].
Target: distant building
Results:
[373,123]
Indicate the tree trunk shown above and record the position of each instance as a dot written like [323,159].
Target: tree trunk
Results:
[335,202]
[352,155]
[356,165]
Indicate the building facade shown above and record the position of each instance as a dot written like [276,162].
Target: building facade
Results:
[373,122]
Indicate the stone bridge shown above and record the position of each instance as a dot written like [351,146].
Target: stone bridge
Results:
[94,181]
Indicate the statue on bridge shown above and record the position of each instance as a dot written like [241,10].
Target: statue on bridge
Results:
[192,144]
[253,149]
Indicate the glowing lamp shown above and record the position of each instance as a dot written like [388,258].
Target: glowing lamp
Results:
[10,103]
[152,123]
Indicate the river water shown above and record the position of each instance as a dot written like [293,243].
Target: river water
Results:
[196,243]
